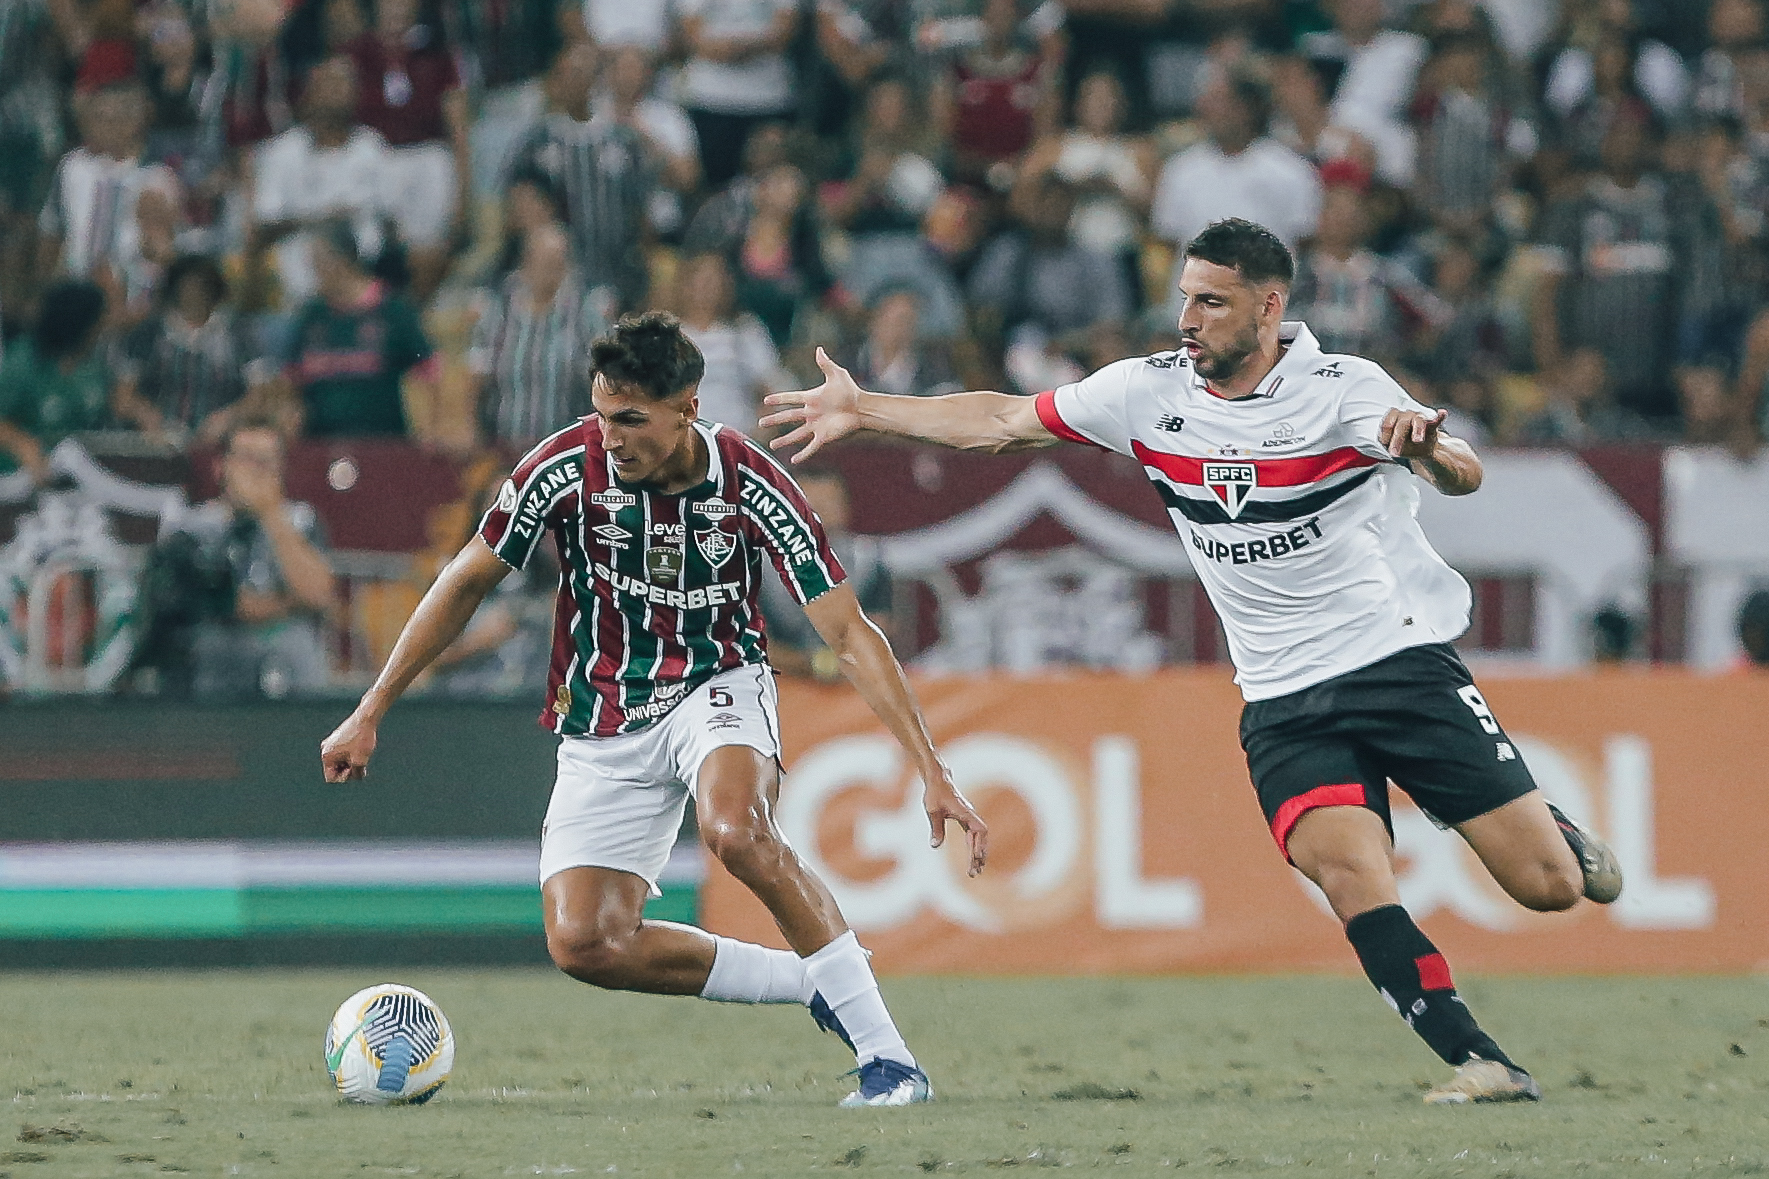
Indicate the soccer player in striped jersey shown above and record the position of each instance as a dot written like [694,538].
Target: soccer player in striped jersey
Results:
[660,689]
[1291,474]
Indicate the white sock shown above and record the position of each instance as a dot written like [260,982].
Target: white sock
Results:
[744,972]
[842,974]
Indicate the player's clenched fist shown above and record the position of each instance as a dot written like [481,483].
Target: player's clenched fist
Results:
[345,754]
[1411,435]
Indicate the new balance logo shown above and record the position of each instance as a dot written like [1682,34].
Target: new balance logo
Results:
[1170,423]
[1506,753]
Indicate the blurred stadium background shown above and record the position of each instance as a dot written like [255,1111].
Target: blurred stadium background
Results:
[334,262]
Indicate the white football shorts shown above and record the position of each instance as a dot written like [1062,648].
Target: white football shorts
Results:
[617,801]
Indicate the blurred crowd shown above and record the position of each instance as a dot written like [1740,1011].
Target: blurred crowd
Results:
[285,218]
[1548,217]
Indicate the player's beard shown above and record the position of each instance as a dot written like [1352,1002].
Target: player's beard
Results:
[1222,364]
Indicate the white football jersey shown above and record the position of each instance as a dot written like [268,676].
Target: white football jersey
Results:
[1300,526]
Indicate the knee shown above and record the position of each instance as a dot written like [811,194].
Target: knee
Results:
[1348,874]
[745,846]
[590,955]
[1554,887]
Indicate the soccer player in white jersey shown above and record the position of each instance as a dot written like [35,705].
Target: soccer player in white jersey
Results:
[660,690]
[1292,476]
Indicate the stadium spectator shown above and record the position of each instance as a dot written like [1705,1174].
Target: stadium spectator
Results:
[742,365]
[856,39]
[530,201]
[1603,56]
[1301,119]
[531,344]
[1377,68]
[409,92]
[1038,291]
[55,382]
[243,584]
[329,166]
[111,216]
[1578,407]
[508,47]
[191,363]
[1611,256]
[779,262]
[737,75]
[882,199]
[894,358]
[1353,299]
[996,99]
[628,99]
[1112,173]
[354,344]
[1468,135]
[794,647]
[1236,171]
[1461,357]
[603,175]
[31,123]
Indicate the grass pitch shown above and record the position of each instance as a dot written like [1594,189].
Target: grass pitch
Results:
[219,1073]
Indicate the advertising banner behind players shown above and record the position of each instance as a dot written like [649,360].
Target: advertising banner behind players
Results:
[1125,836]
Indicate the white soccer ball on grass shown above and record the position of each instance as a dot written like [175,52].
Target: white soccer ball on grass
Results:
[389,1045]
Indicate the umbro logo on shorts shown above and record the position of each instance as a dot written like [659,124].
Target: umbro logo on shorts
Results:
[723,720]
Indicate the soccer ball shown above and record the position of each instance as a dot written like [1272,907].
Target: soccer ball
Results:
[389,1045]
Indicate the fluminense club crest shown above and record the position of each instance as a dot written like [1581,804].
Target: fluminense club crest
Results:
[1231,484]
[715,544]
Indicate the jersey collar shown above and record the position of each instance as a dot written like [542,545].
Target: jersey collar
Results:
[1302,352]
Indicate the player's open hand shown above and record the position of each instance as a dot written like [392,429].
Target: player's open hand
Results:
[943,801]
[825,414]
[345,754]
[1410,435]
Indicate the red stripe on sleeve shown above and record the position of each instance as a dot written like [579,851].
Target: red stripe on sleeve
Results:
[1338,794]
[1283,472]
[1045,403]
[1434,973]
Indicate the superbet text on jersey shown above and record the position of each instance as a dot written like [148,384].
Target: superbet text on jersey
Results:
[658,593]
[1300,526]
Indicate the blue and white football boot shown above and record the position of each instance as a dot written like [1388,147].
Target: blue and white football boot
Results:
[887,1082]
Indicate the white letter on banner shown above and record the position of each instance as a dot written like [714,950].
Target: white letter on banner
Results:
[1647,902]
[1124,899]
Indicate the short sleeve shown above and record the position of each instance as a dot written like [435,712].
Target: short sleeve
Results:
[780,518]
[1367,400]
[540,494]
[1094,410]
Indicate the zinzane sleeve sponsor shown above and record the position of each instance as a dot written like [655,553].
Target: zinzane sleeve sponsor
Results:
[534,498]
[788,529]
[1094,410]
[1368,397]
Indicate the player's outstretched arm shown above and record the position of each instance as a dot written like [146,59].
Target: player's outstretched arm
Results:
[867,661]
[437,622]
[1448,464]
[993,422]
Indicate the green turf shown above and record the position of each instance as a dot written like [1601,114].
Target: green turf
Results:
[220,1074]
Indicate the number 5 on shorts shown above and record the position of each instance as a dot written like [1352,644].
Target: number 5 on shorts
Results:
[721,698]
[1472,698]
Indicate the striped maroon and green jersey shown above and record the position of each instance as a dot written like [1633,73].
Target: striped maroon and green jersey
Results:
[657,592]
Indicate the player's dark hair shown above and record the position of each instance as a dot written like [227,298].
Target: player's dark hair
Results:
[1252,249]
[67,316]
[649,352]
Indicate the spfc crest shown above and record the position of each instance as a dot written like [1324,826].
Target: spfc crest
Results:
[715,544]
[663,565]
[1231,484]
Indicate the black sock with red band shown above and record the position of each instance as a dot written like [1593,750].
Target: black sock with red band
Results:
[1415,980]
